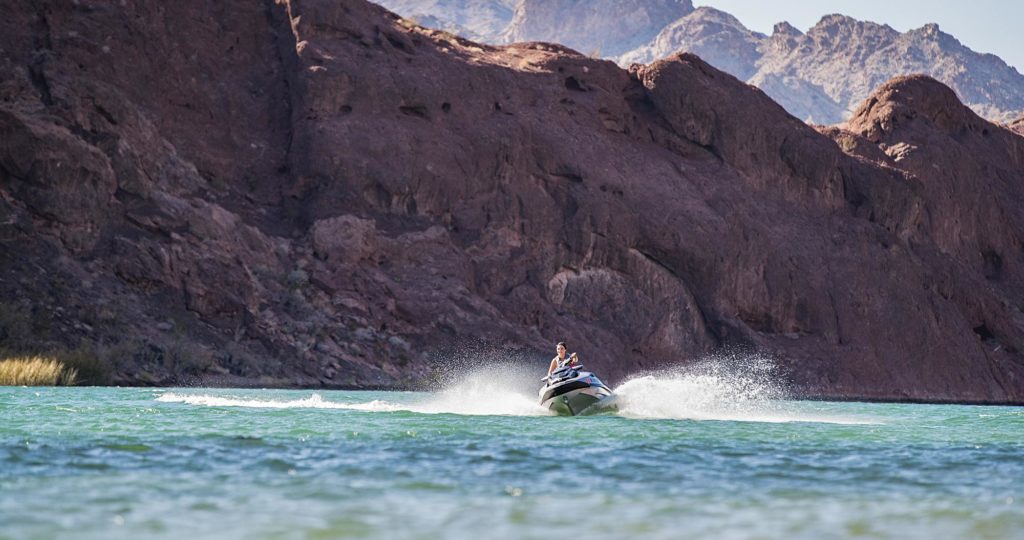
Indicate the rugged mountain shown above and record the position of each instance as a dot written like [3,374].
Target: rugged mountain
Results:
[821,76]
[323,193]
[715,36]
[821,61]
[473,19]
[605,28]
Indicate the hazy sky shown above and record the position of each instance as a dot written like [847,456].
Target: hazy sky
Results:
[985,26]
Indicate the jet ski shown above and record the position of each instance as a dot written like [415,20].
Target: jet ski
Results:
[570,391]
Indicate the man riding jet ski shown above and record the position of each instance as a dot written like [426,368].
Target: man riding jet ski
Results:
[570,391]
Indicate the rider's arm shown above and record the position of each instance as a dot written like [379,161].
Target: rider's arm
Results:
[553,366]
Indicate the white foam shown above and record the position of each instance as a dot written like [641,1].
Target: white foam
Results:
[742,389]
[488,391]
[725,388]
[315,401]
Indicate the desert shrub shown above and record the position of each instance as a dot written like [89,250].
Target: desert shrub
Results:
[36,371]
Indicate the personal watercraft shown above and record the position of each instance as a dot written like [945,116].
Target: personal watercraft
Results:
[570,391]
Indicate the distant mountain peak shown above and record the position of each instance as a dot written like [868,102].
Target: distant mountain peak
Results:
[836,19]
[835,22]
[785,29]
[595,27]
[711,14]
[710,11]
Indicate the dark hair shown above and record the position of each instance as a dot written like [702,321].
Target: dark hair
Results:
[561,344]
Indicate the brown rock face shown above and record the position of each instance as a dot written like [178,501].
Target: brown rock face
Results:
[970,170]
[319,193]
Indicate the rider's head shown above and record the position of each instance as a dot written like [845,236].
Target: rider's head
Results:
[560,349]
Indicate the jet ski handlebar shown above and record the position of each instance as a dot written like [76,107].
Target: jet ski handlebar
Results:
[558,373]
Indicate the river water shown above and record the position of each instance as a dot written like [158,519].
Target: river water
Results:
[688,455]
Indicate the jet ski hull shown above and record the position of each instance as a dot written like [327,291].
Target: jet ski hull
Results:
[580,395]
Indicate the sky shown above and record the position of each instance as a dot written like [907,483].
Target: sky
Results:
[985,26]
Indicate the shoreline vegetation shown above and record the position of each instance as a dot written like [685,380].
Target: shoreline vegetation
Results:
[27,365]
[36,371]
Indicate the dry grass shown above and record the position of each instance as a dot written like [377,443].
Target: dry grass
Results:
[35,371]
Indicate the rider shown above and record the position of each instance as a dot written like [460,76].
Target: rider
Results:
[561,360]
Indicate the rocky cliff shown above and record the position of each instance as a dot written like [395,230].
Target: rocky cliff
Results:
[317,193]
[821,76]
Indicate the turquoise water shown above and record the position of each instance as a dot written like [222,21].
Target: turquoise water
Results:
[686,457]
